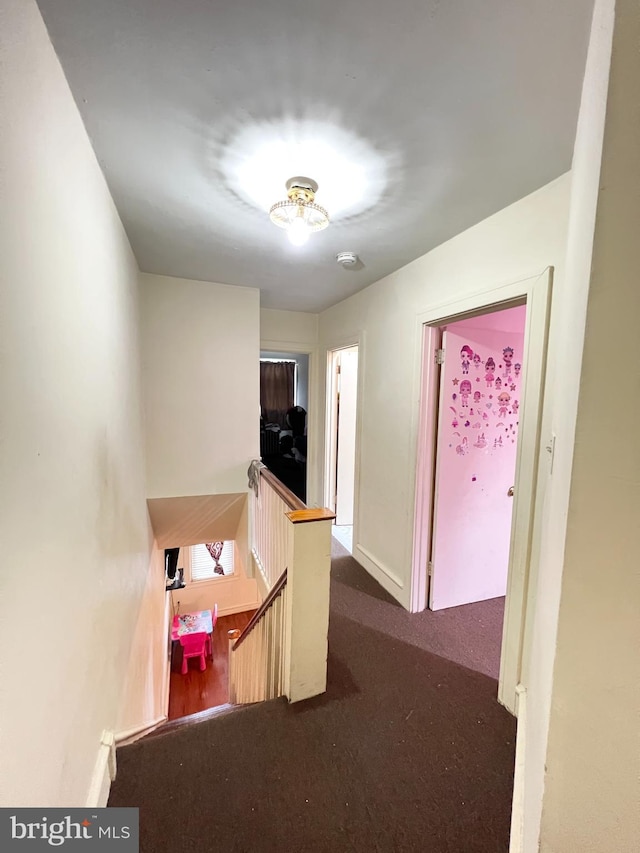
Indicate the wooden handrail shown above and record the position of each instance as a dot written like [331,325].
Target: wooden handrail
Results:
[302,516]
[291,500]
[275,591]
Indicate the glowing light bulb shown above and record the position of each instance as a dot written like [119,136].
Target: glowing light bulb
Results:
[298,231]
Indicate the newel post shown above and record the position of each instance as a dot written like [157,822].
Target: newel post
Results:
[307,617]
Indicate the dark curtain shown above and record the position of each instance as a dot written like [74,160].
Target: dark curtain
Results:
[276,390]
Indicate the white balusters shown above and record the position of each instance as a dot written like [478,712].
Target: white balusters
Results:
[256,664]
[271,532]
[283,650]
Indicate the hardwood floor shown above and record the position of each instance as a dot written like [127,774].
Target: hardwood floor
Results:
[196,691]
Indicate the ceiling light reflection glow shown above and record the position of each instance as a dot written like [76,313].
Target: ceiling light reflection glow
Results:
[258,161]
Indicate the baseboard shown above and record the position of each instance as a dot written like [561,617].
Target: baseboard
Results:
[516,840]
[131,735]
[238,608]
[378,570]
[104,772]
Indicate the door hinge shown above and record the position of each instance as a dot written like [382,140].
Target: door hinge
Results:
[430,569]
[338,370]
[439,356]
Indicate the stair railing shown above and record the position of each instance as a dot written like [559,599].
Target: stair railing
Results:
[256,654]
[283,649]
[271,527]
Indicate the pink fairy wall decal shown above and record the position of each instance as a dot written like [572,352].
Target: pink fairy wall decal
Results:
[471,407]
[503,401]
[465,390]
[507,358]
[466,354]
[490,369]
[463,447]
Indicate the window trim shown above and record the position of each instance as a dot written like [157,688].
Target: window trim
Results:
[186,560]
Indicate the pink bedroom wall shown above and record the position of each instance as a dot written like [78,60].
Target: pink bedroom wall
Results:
[477,442]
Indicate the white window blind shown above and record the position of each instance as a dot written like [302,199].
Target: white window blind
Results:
[203,564]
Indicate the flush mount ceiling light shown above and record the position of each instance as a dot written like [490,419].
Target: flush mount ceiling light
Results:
[299,214]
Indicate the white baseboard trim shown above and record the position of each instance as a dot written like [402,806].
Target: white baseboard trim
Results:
[131,735]
[379,571]
[104,772]
[516,840]
[167,687]
[239,608]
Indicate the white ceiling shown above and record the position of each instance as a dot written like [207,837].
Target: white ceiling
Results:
[425,117]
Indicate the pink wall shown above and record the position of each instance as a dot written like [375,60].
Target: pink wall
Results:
[477,441]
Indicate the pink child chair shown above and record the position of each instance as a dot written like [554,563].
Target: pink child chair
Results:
[193,646]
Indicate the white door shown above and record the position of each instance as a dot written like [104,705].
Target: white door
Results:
[477,439]
[346,434]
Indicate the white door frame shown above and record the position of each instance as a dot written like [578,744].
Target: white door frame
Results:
[536,292]
[331,435]
[355,339]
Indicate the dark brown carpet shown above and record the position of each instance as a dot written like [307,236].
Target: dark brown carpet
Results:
[470,635]
[407,751]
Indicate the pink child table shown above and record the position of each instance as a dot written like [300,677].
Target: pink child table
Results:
[193,623]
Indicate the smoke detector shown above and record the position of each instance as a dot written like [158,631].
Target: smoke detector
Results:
[347,259]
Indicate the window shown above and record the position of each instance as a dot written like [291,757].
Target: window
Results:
[211,560]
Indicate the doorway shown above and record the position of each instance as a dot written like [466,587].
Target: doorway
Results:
[284,396]
[341,444]
[480,381]
[533,465]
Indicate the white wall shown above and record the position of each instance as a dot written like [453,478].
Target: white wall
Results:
[200,357]
[288,327]
[570,305]
[516,243]
[144,701]
[75,536]
[592,787]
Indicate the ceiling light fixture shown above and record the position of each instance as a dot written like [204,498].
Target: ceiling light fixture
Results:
[299,214]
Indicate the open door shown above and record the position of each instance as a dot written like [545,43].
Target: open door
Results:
[342,393]
[346,434]
[534,461]
[477,435]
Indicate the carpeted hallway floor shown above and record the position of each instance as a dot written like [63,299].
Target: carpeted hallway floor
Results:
[469,635]
[406,751]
